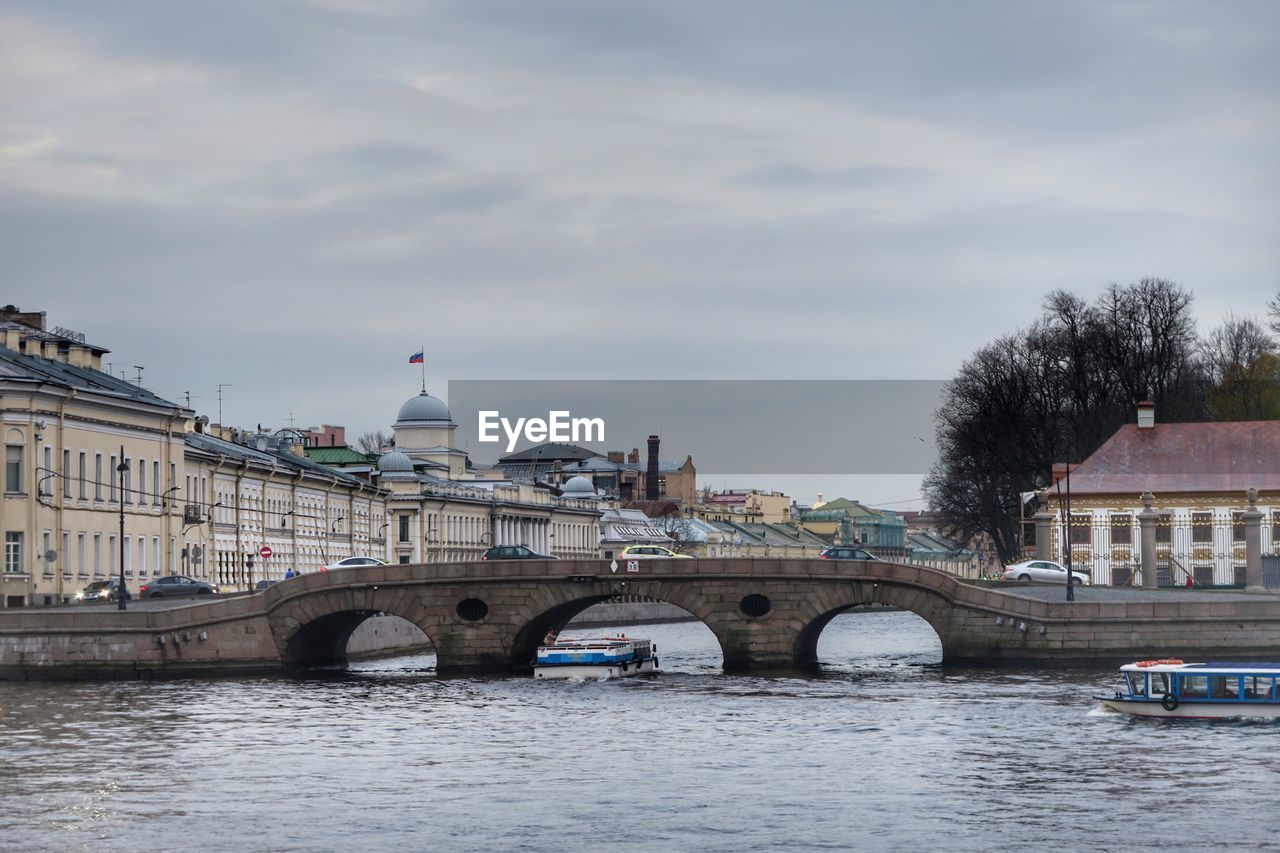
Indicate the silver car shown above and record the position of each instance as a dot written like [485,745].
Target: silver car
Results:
[174,586]
[1045,571]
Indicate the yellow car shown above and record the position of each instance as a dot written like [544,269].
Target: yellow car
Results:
[650,552]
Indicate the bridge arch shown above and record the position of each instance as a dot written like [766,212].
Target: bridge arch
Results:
[555,614]
[311,628]
[928,604]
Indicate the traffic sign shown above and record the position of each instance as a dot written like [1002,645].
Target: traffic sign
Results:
[265,552]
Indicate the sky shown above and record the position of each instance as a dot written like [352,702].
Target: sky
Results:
[291,198]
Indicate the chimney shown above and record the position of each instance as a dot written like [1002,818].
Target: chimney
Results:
[634,456]
[615,456]
[651,479]
[1146,415]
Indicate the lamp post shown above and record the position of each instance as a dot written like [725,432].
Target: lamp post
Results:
[1071,590]
[121,469]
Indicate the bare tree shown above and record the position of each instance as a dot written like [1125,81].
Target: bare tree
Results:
[372,442]
[1240,367]
[1273,311]
[1053,393]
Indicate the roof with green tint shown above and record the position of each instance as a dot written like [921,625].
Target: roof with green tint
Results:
[339,456]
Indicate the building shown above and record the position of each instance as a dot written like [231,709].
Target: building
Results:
[749,505]
[441,511]
[883,531]
[240,497]
[88,454]
[83,450]
[617,475]
[1197,473]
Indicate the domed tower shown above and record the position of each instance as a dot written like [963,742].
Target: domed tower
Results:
[395,467]
[424,431]
[579,487]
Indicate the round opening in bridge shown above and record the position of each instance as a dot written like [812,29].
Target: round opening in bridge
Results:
[472,609]
[755,605]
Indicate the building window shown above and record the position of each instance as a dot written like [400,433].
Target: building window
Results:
[13,468]
[404,528]
[1121,530]
[1080,530]
[142,481]
[142,556]
[80,554]
[1164,529]
[1237,527]
[84,475]
[127,554]
[126,482]
[1202,527]
[97,553]
[65,556]
[155,483]
[113,496]
[112,550]
[13,551]
[97,476]
[66,473]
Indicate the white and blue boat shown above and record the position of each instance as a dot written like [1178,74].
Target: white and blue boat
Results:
[607,657]
[1172,689]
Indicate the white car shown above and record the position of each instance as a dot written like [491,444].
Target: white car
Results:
[353,563]
[1045,571]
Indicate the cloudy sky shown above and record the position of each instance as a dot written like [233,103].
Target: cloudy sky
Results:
[292,197]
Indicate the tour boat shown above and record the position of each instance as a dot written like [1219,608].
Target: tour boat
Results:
[1196,691]
[607,657]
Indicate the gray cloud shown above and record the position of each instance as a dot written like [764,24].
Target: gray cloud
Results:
[292,197]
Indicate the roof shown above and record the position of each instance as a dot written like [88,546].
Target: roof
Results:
[339,456]
[15,365]
[549,453]
[1229,456]
[290,461]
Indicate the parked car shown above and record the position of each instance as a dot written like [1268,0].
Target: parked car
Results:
[353,562]
[101,591]
[175,586]
[845,552]
[1041,570]
[514,552]
[650,552]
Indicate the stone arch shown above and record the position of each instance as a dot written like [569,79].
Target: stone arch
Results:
[14,436]
[931,606]
[566,604]
[311,630]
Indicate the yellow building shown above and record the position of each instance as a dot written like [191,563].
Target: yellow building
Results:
[88,454]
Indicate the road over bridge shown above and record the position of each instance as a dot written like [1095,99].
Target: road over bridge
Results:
[490,616]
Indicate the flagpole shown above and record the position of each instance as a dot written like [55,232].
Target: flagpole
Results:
[424,369]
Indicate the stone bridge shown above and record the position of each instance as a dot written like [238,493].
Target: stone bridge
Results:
[767,614]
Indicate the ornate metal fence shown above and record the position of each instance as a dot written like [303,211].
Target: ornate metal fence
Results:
[1205,546]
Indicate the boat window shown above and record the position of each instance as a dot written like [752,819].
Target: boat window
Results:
[1258,687]
[1137,683]
[1194,686]
[1225,686]
[1159,683]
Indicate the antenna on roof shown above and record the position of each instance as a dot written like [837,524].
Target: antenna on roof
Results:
[139,368]
[220,387]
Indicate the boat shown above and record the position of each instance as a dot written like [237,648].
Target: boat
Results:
[618,656]
[1172,689]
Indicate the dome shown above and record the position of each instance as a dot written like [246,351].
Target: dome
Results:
[423,407]
[578,486]
[395,462]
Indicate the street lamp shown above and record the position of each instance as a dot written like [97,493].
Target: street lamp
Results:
[284,519]
[121,469]
[164,498]
[1071,590]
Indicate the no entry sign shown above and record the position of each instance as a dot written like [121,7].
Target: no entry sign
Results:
[264,552]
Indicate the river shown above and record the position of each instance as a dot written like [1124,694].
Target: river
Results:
[884,750]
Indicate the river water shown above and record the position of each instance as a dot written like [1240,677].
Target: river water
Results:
[884,750]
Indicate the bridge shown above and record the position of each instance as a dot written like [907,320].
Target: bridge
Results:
[766,614]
